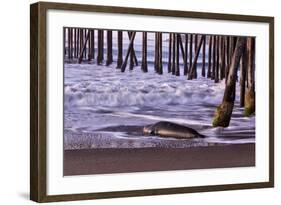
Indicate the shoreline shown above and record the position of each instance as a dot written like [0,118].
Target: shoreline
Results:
[126,160]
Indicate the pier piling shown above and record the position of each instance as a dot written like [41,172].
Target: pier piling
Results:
[120,49]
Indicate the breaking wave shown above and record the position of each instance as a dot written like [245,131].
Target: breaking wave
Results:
[139,90]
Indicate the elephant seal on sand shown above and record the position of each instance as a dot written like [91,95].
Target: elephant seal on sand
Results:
[170,129]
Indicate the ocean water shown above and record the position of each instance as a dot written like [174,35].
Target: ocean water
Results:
[105,108]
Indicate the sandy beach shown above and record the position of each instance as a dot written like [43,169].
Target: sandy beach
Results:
[122,160]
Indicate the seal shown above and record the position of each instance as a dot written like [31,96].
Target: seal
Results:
[170,129]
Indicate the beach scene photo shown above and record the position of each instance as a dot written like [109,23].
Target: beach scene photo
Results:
[143,101]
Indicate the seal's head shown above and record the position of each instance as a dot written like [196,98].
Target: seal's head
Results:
[147,130]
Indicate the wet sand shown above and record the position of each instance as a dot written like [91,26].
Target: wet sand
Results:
[114,160]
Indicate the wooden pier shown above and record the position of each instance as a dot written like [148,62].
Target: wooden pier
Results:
[222,58]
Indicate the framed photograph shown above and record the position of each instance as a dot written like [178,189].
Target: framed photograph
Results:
[134,102]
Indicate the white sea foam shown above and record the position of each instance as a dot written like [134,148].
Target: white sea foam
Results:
[104,86]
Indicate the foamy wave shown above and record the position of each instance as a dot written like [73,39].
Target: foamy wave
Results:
[137,89]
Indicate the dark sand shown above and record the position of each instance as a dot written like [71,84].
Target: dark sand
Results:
[114,160]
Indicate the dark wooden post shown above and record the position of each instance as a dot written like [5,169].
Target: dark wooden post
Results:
[177,55]
[170,53]
[217,59]
[71,43]
[224,110]
[68,43]
[231,47]
[100,47]
[81,41]
[85,36]
[78,43]
[144,52]
[160,66]
[195,48]
[190,51]
[193,67]
[74,43]
[64,42]
[185,69]
[186,54]
[109,57]
[203,72]
[250,89]
[130,48]
[220,57]
[92,44]
[214,58]
[174,55]
[223,57]
[84,48]
[209,56]
[131,66]
[156,52]
[120,49]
